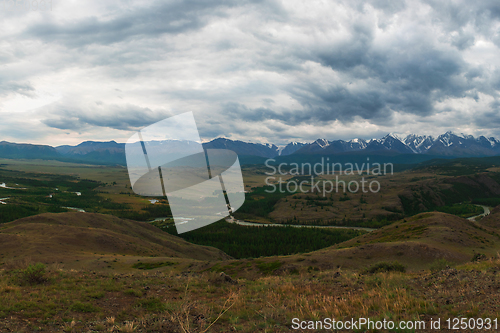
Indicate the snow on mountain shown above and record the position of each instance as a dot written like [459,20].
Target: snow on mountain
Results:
[452,144]
[488,142]
[394,143]
[419,144]
[357,144]
[290,148]
[322,143]
[494,142]
[394,136]
[447,144]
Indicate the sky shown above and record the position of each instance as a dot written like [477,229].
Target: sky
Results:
[264,71]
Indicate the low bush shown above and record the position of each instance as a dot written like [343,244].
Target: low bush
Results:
[386,267]
[33,274]
[478,257]
[439,265]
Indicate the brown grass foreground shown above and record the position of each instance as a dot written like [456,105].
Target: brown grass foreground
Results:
[166,301]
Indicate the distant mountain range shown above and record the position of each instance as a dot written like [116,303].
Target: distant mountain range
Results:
[111,152]
[448,144]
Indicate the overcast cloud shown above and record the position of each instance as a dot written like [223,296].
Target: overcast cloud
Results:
[261,71]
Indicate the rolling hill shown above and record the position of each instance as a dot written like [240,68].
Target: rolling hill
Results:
[69,237]
[423,238]
[416,242]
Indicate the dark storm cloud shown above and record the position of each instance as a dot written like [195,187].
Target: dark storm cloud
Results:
[407,80]
[128,117]
[466,21]
[409,75]
[253,67]
[402,78]
[160,17]
[490,119]
[243,112]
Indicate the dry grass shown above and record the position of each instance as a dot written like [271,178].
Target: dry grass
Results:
[194,303]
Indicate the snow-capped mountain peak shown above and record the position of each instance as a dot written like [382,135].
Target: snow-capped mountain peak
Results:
[418,143]
[291,148]
[393,136]
[447,144]
[322,143]
[357,143]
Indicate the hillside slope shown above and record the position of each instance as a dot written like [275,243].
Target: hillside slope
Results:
[492,220]
[67,237]
[420,240]
[417,242]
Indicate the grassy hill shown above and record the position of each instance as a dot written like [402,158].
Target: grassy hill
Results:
[83,239]
[192,295]
[420,240]
[86,240]
[263,294]
[417,242]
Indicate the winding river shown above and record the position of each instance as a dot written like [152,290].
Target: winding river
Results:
[486,212]
[231,219]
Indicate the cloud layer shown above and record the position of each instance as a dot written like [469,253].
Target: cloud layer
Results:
[268,70]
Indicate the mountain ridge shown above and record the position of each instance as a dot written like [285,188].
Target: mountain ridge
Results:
[448,144]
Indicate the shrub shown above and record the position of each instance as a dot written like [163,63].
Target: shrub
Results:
[439,265]
[386,267]
[33,274]
[478,257]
